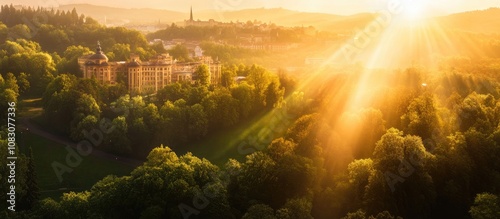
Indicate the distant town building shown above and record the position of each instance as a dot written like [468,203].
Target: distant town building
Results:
[195,51]
[269,46]
[209,23]
[145,77]
[198,52]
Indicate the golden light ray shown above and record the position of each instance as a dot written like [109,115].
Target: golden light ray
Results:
[398,45]
[411,38]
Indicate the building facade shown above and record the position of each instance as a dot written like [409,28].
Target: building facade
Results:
[145,77]
[98,66]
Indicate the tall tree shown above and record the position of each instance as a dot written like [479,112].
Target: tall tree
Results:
[486,206]
[69,63]
[202,75]
[260,78]
[274,94]
[221,109]
[227,76]
[245,95]
[33,191]
[121,51]
[22,81]
[421,117]
[180,53]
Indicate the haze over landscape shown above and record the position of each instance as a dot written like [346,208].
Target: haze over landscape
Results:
[323,6]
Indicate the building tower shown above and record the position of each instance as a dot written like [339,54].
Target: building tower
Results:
[191,15]
[97,66]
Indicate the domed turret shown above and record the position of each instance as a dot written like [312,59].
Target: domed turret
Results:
[99,56]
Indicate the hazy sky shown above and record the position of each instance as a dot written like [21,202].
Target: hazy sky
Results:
[344,7]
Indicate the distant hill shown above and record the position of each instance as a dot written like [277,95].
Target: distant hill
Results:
[279,16]
[113,15]
[483,21]
[291,18]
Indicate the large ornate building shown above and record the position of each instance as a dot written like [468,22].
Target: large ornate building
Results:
[145,77]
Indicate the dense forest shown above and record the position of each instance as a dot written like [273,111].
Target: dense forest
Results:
[416,152]
[415,142]
[43,43]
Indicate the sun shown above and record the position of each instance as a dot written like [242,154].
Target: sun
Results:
[415,9]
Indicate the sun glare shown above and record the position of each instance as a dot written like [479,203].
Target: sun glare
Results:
[415,9]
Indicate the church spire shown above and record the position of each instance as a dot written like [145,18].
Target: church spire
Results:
[191,15]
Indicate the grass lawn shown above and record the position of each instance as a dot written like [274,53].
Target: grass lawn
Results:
[90,170]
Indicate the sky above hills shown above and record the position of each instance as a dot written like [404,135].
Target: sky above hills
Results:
[342,7]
